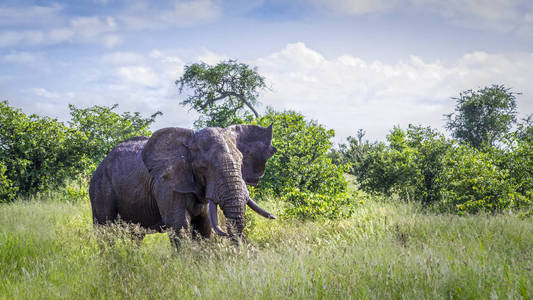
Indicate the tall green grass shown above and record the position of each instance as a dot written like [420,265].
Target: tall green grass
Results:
[49,250]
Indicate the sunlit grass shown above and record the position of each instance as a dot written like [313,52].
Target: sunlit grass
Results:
[49,249]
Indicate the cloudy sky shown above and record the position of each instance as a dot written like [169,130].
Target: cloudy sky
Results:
[348,64]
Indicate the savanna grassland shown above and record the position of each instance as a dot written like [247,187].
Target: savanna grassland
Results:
[386,249]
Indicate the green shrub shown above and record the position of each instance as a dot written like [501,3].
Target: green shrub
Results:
[7,190]
[301,172]
[352,154]
[409,165]
[36,152]
[472,182]
[309,205]
[420,164]
[517,157]
[100,129]
[39,152]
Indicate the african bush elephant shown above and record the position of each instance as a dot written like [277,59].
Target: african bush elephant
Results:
[177,178]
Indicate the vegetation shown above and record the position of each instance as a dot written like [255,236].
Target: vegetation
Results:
[101,128]
[420,164]
[301,173]
[470,174]
[37,152]
[412,221]
[224,94]
[483,117]
[387,249]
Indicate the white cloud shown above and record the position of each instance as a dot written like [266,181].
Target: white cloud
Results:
[29,14]
[80,29]
[347,93]
[494,15]
[210,58]
[140,75]
[344,93]
[40,25]
[191,12]
[89,27]
[21,58]
[141,14]
[357,7]
[123,58]
[60,34]
[97,29]
[27,37]
[41,92]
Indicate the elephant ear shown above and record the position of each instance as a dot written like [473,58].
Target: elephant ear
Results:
[167,158]
[255,144]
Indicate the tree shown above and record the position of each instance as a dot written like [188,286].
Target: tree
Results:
[102,128]
[301,173]
[483,117]
[223,94]
[352,154]
[35,153]
[39,152]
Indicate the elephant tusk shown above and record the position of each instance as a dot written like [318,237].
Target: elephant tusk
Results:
[213,218]
[259,210]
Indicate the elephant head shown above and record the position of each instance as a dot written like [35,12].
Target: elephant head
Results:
[215,164]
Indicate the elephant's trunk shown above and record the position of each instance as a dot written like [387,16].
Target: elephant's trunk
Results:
[233,204]
[232,198]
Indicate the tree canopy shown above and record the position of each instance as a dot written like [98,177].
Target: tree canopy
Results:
[224,94]
[38,152]
[102,128]
[484,116]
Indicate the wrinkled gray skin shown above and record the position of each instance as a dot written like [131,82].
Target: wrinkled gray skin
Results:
[177,178]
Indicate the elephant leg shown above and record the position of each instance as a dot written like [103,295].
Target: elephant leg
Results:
[201,226]
[103,198]
[178,220]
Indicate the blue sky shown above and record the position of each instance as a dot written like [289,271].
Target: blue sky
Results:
[348,64]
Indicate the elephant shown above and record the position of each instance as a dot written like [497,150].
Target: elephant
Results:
[177,179]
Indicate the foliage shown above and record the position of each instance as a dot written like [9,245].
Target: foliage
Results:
[223,114]
[483,117]
[7,190]
[409,165]
[472,182]
[516,157]
[301,172]
[234,84]
[420,164]
[352,154]
[101,129]
[36,152]
[388,250]
[309,205]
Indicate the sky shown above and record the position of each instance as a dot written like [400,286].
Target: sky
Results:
[347,64]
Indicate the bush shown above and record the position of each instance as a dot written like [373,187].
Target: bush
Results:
[309,205]
[101,129]
[300,172]
[517,157]
[7,190]
[352,154]
[409,165]
[36,152]
[39,152]
[420,164]
[472,182]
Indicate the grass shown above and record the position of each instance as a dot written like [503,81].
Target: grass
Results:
[49,250]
